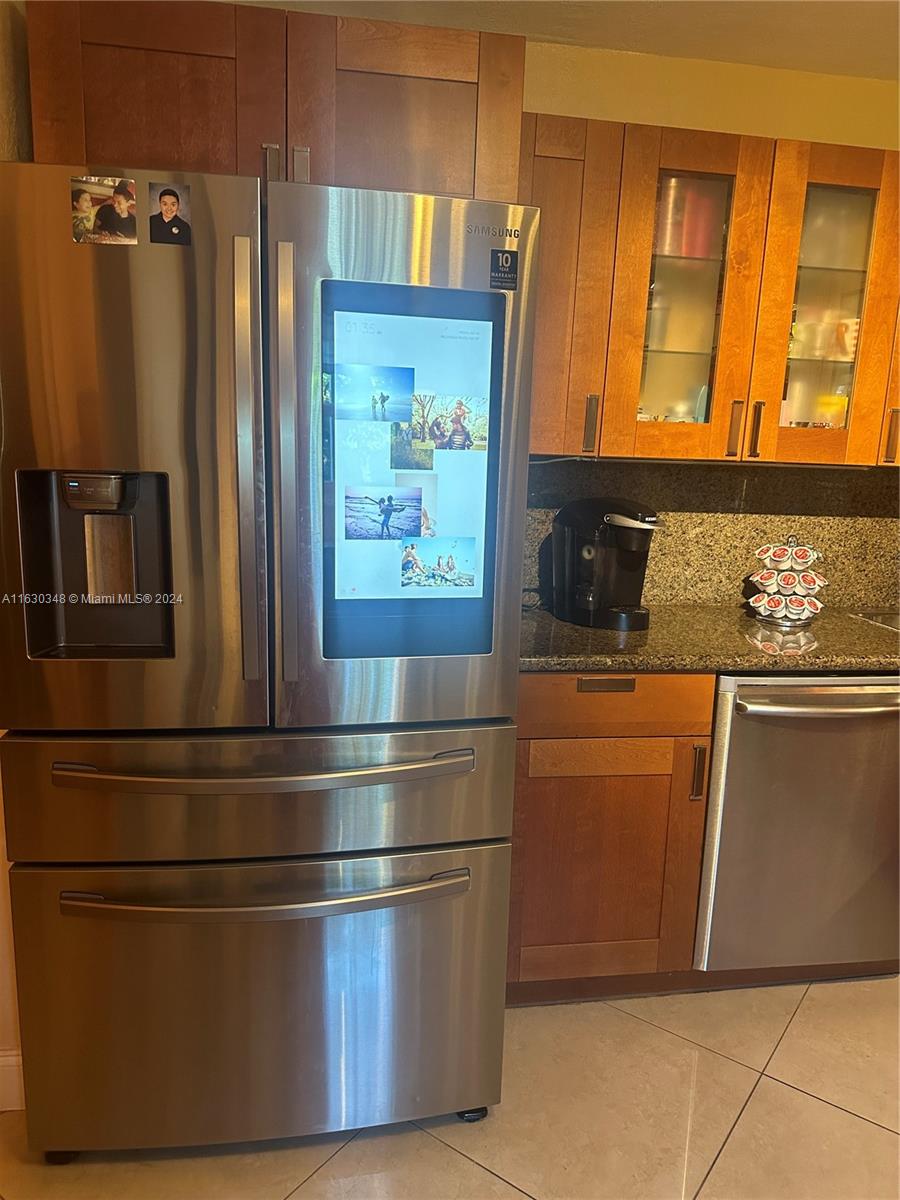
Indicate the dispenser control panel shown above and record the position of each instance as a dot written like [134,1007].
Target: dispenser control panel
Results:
[93,490]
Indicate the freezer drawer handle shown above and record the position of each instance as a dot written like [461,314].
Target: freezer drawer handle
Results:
[772,708]
[84,775]
[438,887]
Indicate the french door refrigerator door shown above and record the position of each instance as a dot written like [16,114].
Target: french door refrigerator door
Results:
[132,491]
[401,364]
[259,1000]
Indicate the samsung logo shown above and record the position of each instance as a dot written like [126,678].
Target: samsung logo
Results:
[492,231]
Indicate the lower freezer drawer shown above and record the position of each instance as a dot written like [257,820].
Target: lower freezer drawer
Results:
[187,1005]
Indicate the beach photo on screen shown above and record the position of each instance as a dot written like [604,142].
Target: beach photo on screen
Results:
[382,513]
[438,563]
[372,393]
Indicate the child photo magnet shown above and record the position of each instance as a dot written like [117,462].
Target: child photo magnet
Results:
[170,214]
[103,210]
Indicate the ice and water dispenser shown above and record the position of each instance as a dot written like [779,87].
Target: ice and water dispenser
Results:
[96,549]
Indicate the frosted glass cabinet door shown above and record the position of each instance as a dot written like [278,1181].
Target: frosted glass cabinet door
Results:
[827,307]
[692,214]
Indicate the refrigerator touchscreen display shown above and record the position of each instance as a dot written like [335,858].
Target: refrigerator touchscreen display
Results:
[411,393]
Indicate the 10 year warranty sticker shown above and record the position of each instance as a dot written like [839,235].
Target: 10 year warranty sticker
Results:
[505,270]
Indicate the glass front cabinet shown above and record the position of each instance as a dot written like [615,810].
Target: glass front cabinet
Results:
[689,255]
[827,309]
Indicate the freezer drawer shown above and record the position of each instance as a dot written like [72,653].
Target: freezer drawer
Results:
[209,798]
[191,1005]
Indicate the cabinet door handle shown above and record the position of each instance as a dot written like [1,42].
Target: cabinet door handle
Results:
[272,152]
[591,415]
[600,683]
[300,156]
[755,428]
[698,774]
[734,429]
[893,435]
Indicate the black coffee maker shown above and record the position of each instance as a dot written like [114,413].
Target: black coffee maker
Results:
[600,550]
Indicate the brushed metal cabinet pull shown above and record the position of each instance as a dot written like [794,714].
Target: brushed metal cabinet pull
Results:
[92,904]
[755,428]
[890,450]
[734,429]
[591,416]
[300,162]
[245,431]
[272,152]
[599,683]
[699,773]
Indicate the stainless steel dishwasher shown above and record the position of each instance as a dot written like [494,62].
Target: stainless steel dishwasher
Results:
[800,861]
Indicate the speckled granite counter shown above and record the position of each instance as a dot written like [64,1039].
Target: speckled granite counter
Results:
[706,638]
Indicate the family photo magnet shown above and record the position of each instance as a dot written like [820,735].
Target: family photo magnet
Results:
[170,214]
[103,210]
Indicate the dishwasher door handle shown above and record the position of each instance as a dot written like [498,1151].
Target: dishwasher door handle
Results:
[84,775]
[890,705]
[91,904]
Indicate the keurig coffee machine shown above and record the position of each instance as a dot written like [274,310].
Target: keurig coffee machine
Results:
[600,550]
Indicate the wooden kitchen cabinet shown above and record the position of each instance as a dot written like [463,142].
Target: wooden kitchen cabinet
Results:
[689,252]
[889,447]
[608,830]
[185,87]
[404,107]
[570,168]
[828,306]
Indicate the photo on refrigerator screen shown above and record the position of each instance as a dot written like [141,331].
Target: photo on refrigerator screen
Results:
[450,422]
[170,214]
[103,210]
[440,563]
[367,393]
[409,453]
[388,512]
[428,483]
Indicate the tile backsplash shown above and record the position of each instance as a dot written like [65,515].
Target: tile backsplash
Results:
[717,515]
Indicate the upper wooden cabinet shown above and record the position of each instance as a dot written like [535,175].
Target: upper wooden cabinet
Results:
[187,86]
[692,219]
[571,168]
[250,90]
[827,308]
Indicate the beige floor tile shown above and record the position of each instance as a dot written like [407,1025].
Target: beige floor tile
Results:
[597,1104]
[402,1163]
[788,1146]
[744,1023]
[257,1171]
[842,1046]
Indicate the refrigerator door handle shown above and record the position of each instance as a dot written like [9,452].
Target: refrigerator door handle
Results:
[285,424]
[245,428]
[84,775]
[438,887]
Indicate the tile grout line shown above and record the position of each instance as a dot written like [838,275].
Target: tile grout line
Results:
[294,1190]
[749,1098]
[822,1100]
[474,1161]
[690,1041]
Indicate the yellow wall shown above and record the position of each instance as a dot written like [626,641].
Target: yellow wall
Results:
[615,85]
[15,115]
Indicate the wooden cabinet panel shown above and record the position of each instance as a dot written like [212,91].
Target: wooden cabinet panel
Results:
[683,341]
[405,134]
[593,858]
[501,79]
[684,854]
[311,86]
[600,756]
[261,66]
[552,706]
[798,165]
[188,27]
[588,959]
[179,111]
[54,62]
[889,452]
[560,137]
[421,51]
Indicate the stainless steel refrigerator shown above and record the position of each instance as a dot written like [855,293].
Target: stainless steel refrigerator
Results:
[261,524]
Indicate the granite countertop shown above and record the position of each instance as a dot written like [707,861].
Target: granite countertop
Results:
[708,638]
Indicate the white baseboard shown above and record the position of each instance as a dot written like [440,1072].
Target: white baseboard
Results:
[12,1094]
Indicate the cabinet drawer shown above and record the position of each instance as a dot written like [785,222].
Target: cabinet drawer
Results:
[600,756]
[584,705]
